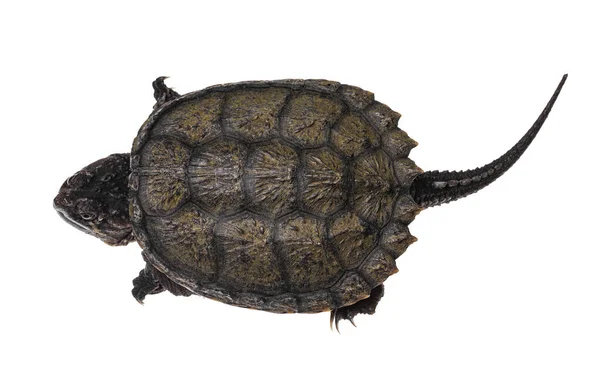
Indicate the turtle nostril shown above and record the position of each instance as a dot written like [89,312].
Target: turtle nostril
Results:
[62,202]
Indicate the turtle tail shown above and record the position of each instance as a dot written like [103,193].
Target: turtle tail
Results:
[438,187]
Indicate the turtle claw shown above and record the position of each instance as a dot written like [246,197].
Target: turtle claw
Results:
[335,318]
[365,306]
[331,318]
[162,93]
[352,321]
[341,313]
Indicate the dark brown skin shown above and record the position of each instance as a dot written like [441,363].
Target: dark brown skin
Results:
[438,187]
[94,200]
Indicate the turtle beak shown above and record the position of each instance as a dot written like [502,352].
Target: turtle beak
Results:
[122,239]
[65,216]
[61,205]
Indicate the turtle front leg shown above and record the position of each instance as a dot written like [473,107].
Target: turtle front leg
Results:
[145,284]
[365,306]
[162,93]
[151,281]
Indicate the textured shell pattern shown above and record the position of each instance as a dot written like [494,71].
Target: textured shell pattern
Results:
[284,196]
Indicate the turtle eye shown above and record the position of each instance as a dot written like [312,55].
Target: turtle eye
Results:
[78,180]
[87,216]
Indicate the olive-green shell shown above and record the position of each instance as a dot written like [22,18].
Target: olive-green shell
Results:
[285,196]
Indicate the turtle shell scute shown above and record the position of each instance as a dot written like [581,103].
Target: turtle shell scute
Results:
[307,118]
[323,181]
[252,113]
[356,97]
[270,178]
[246,252]
[382,117]
[374,187]
[215,175]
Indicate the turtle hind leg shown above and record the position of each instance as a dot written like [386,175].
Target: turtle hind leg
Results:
[151,281]
[162,93]
[365,306]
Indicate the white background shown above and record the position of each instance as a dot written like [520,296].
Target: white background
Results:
[507,276]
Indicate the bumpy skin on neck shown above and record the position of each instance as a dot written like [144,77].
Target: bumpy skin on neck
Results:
[438,187]
[94,200]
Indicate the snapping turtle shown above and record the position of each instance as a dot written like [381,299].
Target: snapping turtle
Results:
[284,196]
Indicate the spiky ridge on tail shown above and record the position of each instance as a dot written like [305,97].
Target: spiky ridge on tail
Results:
[438,187]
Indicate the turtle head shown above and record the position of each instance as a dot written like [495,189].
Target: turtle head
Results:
[94,200]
